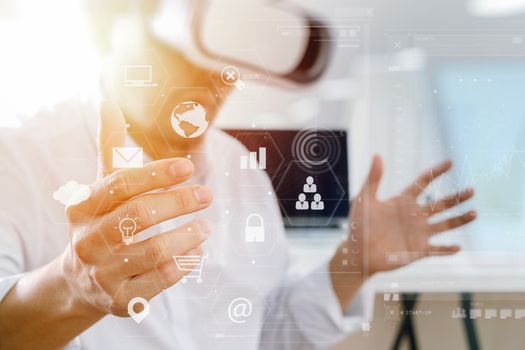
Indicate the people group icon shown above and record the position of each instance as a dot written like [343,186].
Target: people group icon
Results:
[302,203]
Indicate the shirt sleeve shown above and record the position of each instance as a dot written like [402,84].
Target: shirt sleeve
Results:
[6,283]
[11,249]
[16,218]
[12,263]
[306,314]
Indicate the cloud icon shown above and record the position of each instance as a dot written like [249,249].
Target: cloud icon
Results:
[72,193]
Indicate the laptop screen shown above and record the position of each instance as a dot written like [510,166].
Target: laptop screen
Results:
[308,169]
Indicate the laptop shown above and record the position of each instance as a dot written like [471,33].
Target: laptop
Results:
[308,169]
[139,76]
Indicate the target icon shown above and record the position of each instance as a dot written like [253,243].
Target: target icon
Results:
[316,150]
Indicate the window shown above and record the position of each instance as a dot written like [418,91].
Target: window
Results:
[481,105]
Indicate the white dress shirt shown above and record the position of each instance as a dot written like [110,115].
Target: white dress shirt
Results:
[287,312]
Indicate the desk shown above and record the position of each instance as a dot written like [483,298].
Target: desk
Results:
[464,273]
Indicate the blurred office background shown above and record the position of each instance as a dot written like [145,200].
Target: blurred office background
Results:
[416,81]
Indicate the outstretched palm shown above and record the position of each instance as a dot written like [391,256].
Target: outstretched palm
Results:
[389,234]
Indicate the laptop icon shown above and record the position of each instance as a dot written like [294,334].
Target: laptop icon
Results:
[140,76]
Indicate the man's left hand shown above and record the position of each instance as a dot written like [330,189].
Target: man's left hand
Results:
[385,235]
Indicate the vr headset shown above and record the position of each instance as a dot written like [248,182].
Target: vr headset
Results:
[246,39]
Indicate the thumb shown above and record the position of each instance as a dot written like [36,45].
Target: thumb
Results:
[111,133]
[374,177]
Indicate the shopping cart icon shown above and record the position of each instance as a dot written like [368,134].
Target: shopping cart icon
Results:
[192,264]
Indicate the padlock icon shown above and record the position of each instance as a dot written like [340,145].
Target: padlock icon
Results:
[254,229]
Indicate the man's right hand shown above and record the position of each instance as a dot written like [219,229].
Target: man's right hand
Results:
[98,274]
[102,272]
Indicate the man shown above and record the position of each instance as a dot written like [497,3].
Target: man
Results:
[75,280]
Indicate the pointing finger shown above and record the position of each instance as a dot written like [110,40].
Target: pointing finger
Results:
[125,184]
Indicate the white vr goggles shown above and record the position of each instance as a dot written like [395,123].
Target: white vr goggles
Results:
[246,38]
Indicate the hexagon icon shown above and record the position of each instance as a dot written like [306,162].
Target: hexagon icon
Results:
[79,169]
[131,157]
[202,273]
[237,309]
[262,153]
[170,112]
[303,195]
[139,80]
[237,78]
[126,227]
[247,96]
[255,226]
[145,326]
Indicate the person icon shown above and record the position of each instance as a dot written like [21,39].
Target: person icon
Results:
[309,186]
[317,204]
[301,204]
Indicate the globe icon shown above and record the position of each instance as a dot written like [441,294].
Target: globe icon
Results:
[188,119]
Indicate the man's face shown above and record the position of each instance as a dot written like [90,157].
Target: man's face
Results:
[189,89]
[171,84]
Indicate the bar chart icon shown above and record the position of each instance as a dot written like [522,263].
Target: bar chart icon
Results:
[250,161]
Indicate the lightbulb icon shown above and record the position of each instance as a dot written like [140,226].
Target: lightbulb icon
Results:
[127,227]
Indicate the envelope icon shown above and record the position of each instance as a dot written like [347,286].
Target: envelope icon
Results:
[128,157]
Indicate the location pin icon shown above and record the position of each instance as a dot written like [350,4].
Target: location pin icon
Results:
[138,316]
